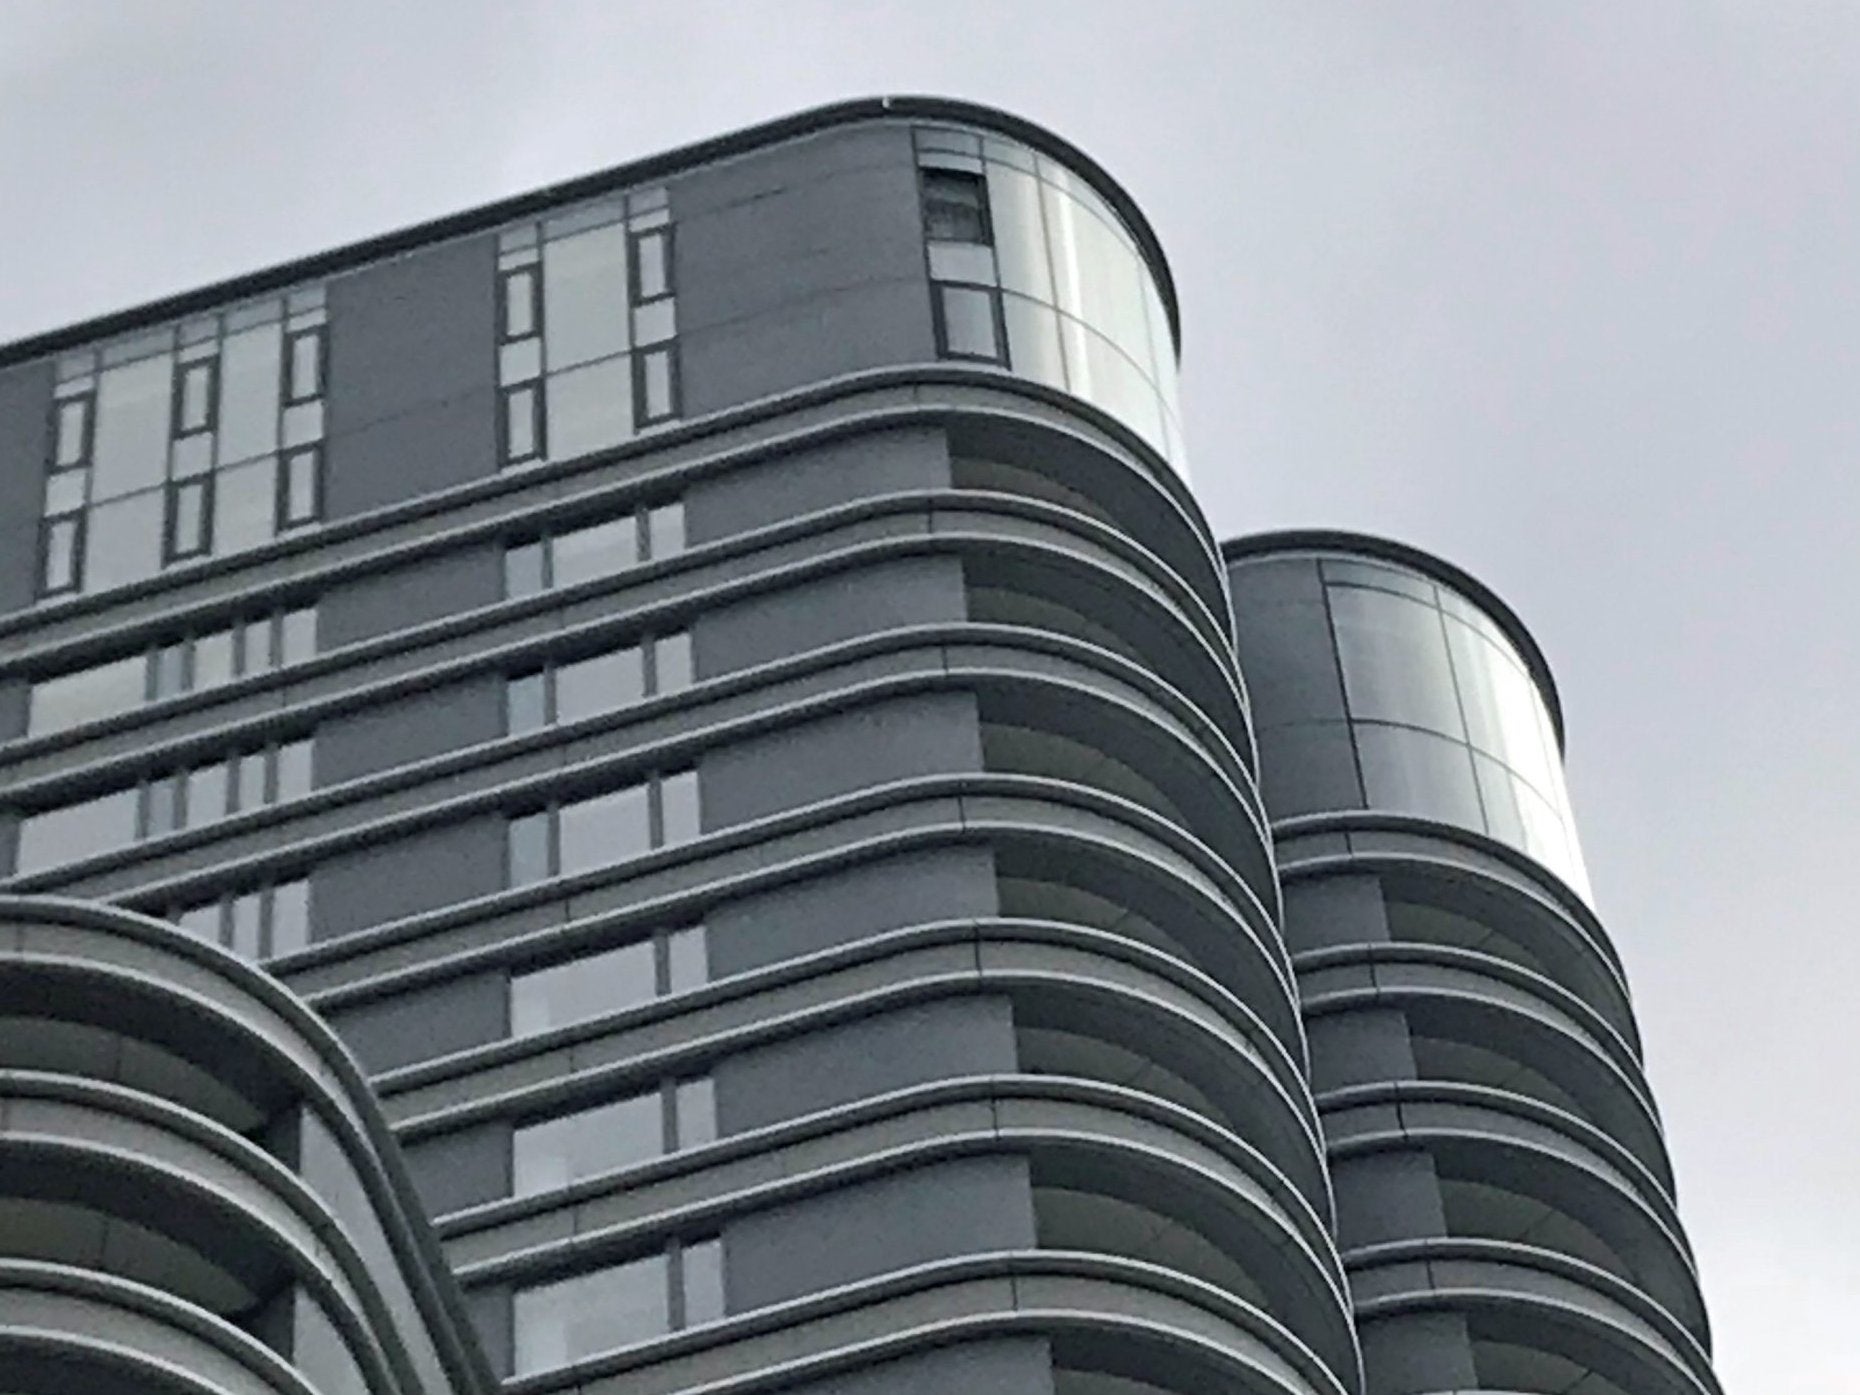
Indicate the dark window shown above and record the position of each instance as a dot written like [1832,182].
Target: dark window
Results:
[196,389]
[300,487]
[190,520]
[523,423]
[303,365]
[955,206]
[521,315]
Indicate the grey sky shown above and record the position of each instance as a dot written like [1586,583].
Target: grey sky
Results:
[1569,293]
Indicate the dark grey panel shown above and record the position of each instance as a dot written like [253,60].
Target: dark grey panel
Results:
[926,734]
[947,1209]
[397,600]
[906,1046]
[9,841]
[1359,1047]
[1334,911]
[421,872]
[25,422]
[419,1024]
[1282,581]
[1290,666]
[454,1170]
[872,600]
[490,1313]
[412,340]
[1386,1196]
[413,728]
[845,907]
[816,477]
[1016,1366]
[428,449]
[15,694]
[1308,770]
[1418,1351]
[759,174]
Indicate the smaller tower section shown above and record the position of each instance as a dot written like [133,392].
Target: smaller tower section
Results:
[1504,1201]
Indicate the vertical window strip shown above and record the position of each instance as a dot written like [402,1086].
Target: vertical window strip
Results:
[255,923]
[623,822]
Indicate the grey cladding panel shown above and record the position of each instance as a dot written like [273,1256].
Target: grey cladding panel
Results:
[411,729]
[1360,1047]
[1308,770]
[1418,1351]
[889,1051]
[871,600]
[1346,910]
[814,478]
[419,1024]
[871,745]
[420,872]
[847,906]
[1291,671]
[1012,1366]
[431,589]
[454,1170]
[25,422]
[1386,1196]
[412,354]
[940,1211]
[1281,581]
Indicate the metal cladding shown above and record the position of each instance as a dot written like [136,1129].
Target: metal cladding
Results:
[1504,1202]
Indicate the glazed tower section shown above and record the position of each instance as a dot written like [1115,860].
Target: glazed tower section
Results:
[1504,1199]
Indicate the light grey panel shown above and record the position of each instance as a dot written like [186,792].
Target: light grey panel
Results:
[430,589]
[816,477]
[420,872]
[454,1170]
[1415,1352]
[941,1211]
[887,1051]
[411,729]
[1290,665]
[1010,1366]
[925,734]
[1386,1196]
[1308,770]
[412,340]
[1324,911]
[25,423]
[871,600]
[949,883]
[1359,1047]
[420,1024]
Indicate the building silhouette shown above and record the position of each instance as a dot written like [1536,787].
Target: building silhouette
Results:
[650,788]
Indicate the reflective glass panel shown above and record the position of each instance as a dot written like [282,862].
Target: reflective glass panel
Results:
[306,365]
[255,646]
[703,1282]
[652,266]
[520,441]
[213,655]
[601,549]
[584,987]
[598,684]
[245,503]
[192,456]
[130,451]
[206,794]
[61,555]
[564,1321]
[603,830]
[672,658]
[969,322]
[122,540]
[655,374]
[519,303]
[290,916]
[171,670]
[254,780]
[695,1108]
[556,1152]
[76,831]
[1033,341]
[523,570]
[73,421]
[1415,772]
[590,408]
[680,798]
[299,636]
[525,708]
[955,206]
[519,362]
[248,924]
[302,477]
[1020,233]
[1504,713]
[665,530]
[303,423]
[1394,656]
[161,812]
[529,849]
[294,780]
[585,297]
[687,959]
[655,323]
[962,261]
[86,695]
[250,368]
[188,528]
[196,398]
[65,491]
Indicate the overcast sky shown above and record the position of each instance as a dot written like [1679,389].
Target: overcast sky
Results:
[1566,292]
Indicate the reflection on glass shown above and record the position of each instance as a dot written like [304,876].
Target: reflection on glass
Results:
[73,418]
[600,831]
[122,540]
[1394,657]
[1020,233]
[525,708]
[196,397]
[687,959]
[652,268]
[130,452]
[585,296]
[1033,341]
[206,794]
[600,549]
[598,684]
[60,554]
[590,408]
[556,1152]
[60,836]
[703,1281]
[213,655]
[189,528]
[969,323]
[680,797]
[529,849]
[1415,772]
[251,365]
[72,699]
[665,530]
[695,1107]
[655,376]
[560,1322]
[580,988]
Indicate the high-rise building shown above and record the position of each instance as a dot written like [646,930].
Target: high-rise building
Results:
[649,789]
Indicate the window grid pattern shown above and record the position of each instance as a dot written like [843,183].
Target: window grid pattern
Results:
[197,439]
[255,923]
[1032,270]
[587,328]
[581,835]
[164,802]
[592,551]
[571,1318]
[567,1147]
[189,662]
[608,980]
[573,689]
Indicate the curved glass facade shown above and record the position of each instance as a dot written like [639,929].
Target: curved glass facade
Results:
[1036,272]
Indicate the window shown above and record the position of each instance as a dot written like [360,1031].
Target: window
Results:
[569,691]
[196,391]
[74,832]
[59,571]
[187,663]
[520,304]
[955,206]
[651,265]
[303,365]
[523,424]
[608,980]
[593,550]
[561,1150]
[190,526]
[71,432]
[600,830]
[300,488]
[968,323]
[655,387]
[568,1319]
[258,923]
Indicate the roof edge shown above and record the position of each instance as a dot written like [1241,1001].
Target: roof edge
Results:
[1254,546]
[485,216]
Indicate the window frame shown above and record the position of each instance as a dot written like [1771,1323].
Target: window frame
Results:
[282,520]
[997,317]
[531,272]
[290,396]
[176,412]
[73,583]
[171,551]
[667,351]
[928,176]
[539,443]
